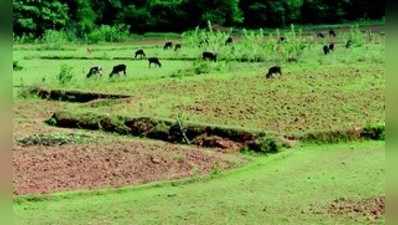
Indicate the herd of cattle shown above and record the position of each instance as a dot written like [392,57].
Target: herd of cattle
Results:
[209,56]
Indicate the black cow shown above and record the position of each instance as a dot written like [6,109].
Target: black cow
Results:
[229,40]
[272,71]
[117,69]
[348,44]
[332,33]
[211,56]
[168,45]
[154,60]
[94,71]
[331,46]
[320,35]
[326,49]
[140,53]
[178,46]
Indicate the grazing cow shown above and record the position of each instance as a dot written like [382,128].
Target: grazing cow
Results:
[272,71]
[140,53]
[211,56]
[331,46]
[178,46]
[332,33]
[320,35]
[168,45]
[348,44]
[117,69]
[229,41]
[94,71]
[326,49]
[154,60]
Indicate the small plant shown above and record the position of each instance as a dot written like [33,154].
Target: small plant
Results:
[201,67]
[356,36]
[24,39]
[266,145]
[215,170]
[182,129]
[16,66]
[374,132]
[65,75]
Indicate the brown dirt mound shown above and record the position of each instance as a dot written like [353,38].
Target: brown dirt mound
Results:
[45,169]
[372,208]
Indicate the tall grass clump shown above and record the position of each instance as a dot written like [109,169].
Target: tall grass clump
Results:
[24,39]
[254,46]
[54,39]
[106,33]
[356,36]
[294,46]
[65,74]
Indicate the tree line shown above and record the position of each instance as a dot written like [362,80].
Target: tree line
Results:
[81,17]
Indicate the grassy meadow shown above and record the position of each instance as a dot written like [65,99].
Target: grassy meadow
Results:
[344,89]
[316,92]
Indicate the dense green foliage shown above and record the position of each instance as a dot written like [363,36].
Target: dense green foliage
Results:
[81,17]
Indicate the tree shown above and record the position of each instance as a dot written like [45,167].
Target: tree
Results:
[37,16]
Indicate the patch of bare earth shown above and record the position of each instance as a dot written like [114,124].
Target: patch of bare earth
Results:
[364,211]
[108,161]
[29,117]
[371,209]
[44,169]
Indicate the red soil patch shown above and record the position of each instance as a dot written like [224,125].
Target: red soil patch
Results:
[372,208]
[44,169]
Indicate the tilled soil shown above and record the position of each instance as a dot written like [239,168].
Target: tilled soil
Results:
[45,169]
[372,208]
[104,161]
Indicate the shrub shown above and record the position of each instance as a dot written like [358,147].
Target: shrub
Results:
[24,38]
[374,132]
[266,145]
[55,39]
[65,75]
[52,139]
[356,36]
[108,33]
[16,66]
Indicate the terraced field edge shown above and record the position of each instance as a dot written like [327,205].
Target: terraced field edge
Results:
[207,135]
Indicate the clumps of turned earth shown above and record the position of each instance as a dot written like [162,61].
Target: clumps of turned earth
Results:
[364,210]
[372,208]
[48,169]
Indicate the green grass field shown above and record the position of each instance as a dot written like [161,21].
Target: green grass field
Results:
[287,188]
[337,91]
[316,92]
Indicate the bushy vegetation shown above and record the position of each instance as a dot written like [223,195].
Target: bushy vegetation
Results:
[65,74]
[106,33]
[82,17]
[53,139]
